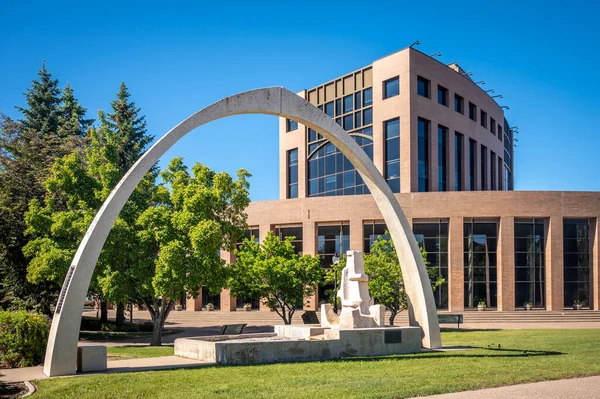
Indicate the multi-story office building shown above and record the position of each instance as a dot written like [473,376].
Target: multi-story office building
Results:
[445,147]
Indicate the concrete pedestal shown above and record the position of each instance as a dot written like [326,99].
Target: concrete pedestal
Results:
[91,358]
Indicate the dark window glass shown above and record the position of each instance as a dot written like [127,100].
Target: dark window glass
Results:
[484,119]
[371,232]
[290,231]
[423,150]
[442,158]
[459,104]
[357,100]
[329,109]
[391,88]
[423,87]
[348,120]
[291,125]
[458,161]
[357,119]
[392,153]
[483,169]
[480,274]
[576,261]
[312,135]
[530,261]
[492,125]
[433,237]
[472,163]
[442,95]
[493,185]
[367,97]
[348,102]
[292,173]
[367,116]
[338,107]
[472,111]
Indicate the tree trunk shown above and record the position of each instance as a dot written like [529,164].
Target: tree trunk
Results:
[392,317]
[103,312]
[157,330]
[159,313]
[120,317]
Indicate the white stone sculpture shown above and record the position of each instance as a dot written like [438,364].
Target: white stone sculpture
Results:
[61,352]
[357,311]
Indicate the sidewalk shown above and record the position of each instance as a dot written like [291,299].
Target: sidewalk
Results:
[114,366]
[580,388]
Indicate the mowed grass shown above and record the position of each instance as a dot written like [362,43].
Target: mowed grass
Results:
[499,358]
[136,352]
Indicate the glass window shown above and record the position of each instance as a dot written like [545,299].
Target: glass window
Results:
[357,100]
[284,231]
[423,87]
[480,273]
[492,125]
[483,169]
[458,161]
[291,125]
[367,116]
[442,95]
[329,109]
[442,158]
[391,87]
[576,261]
[472,112]
[459,104]
[367,97]
[423,152]
[338,107]
[357,119]
[433,237]
[292,173]
[348,122]
[392,153]
[493,185]
[332,240]
[348,102]
[372,231]
[484,119]
[472,163]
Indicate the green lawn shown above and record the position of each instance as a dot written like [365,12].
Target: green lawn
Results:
[499,358]
[136,352]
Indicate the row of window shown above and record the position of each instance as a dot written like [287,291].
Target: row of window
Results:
[480,256]
[424,90]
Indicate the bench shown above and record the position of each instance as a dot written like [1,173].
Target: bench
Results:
[232,329]
[310,317]
[451,318]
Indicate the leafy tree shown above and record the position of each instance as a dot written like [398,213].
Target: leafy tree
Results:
[182,233]
[272,270]
[29,147]
[386,284]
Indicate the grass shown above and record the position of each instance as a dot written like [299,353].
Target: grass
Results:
[137,352]
[499,358]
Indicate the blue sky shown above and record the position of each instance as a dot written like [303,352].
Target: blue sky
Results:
[542,56]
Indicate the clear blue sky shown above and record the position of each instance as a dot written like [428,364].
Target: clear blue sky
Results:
[177,57]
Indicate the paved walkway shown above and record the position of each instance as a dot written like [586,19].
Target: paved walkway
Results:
[114,366]
[580,388]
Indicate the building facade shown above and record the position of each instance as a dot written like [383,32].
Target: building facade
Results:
[445,147]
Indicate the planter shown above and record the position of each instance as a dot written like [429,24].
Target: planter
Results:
[481,307]
[577,306]
[178,308]
[247,308]
[527,306]
[210,308]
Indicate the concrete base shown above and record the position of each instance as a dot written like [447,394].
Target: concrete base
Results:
[301,343]
[91,358]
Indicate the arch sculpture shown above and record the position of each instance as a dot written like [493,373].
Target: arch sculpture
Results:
[61,352]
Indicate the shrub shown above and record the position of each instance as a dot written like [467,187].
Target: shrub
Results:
[23,338]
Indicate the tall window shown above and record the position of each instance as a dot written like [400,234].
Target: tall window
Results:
[392,153]
[391,87]
[423,87]
[433,237]
[493,126]
[442,95]
[459,104]
[423,154]
[284,231]
[484,119]
[499,172]
[332,239]
[472,163]
[480,263]
[292,160]
[442,158]
[472,111]
[372,230]
[484,168]
[576,235]
[530,262]
[251,234]
[493,171]
[290,125]
[458,161]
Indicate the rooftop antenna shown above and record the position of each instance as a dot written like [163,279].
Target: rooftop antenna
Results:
[497,95]
[490,91]
[438,54]
[505,107]
[481,82]
[414,44]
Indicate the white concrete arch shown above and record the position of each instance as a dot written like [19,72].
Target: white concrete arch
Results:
[61,352]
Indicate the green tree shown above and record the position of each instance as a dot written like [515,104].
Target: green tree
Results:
[182,233]
[274,272]
[386,284]
[29,147]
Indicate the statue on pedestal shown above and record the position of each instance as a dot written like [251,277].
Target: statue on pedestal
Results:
[354,294]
